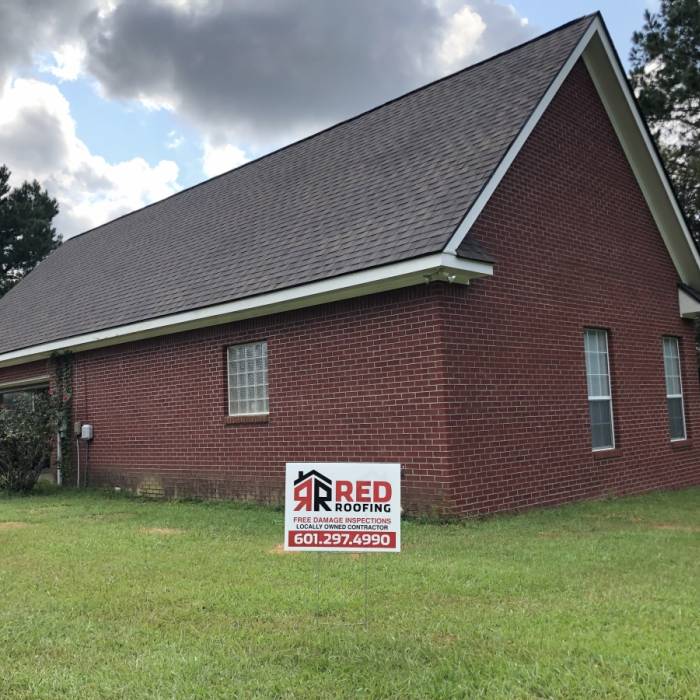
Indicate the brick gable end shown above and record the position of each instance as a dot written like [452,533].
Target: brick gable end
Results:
[576,247]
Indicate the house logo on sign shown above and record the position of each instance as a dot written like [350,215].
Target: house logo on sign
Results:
[312,491]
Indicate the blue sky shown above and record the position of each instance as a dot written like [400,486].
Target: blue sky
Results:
[622,17]
[115,103]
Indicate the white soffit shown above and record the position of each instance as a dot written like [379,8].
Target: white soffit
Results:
[688,306]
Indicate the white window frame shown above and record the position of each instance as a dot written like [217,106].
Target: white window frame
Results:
[230,387]
[677,358]
[601,397]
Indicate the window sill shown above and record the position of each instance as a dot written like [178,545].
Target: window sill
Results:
[681,444]
[251,418]
[611,453]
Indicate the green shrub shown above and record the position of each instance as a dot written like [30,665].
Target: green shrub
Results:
[26,434]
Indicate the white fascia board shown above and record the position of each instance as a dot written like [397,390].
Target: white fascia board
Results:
[28,382]
[688,306]
[503,167]
[619,103]
[602,64]
[437,266]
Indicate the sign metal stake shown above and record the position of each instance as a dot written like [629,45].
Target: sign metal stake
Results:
[364,556]
[317,577]
[318,584]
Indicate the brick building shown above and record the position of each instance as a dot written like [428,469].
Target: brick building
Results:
[488,280]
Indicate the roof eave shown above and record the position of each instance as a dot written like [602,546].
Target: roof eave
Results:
[688,302]
[424,269]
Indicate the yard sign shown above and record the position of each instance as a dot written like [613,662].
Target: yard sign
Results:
[353,507]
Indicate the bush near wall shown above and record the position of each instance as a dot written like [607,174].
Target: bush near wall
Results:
[26,432]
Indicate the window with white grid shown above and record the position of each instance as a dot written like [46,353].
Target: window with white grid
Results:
[674,389]
[247,379]
[599,393]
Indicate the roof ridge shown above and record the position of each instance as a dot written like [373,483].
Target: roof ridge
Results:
[340,123]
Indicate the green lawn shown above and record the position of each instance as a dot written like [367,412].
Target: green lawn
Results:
[113,597]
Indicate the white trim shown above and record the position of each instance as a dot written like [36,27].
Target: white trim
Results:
[613,89]
[29,382]
[503,167]
[245,415]
[634,156]
[602,397]
[437,266]
[688,306]
[680,383]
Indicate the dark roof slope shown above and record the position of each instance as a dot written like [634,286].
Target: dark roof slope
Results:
[389,185]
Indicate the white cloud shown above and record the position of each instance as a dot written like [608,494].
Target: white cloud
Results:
[152,104]
[524,21]
[38,140]
[219,159]
[67,63]
[175,140]
[461,37]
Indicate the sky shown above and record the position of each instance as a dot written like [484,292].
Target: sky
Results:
[114,104]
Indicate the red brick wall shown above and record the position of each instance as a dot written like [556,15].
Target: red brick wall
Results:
[354,381]
[21,372]
[479,391]
[576,247]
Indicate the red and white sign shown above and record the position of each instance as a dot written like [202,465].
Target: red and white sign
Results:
[353,507]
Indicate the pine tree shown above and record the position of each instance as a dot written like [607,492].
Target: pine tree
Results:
[26,233]
[666,76]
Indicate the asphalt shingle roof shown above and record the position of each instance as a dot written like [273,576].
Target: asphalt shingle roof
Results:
[389,185]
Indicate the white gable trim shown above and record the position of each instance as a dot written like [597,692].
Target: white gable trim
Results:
[616,96]
[434,267]
[503,167]
[604,67]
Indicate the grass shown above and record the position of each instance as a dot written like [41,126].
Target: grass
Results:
[113,597]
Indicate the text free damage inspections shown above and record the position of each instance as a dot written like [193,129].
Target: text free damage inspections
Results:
[328,522]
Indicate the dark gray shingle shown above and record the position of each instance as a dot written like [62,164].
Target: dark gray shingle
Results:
[389,185]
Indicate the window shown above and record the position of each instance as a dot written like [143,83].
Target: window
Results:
[674,389]
[9,398]
[599,394]
[247,379]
